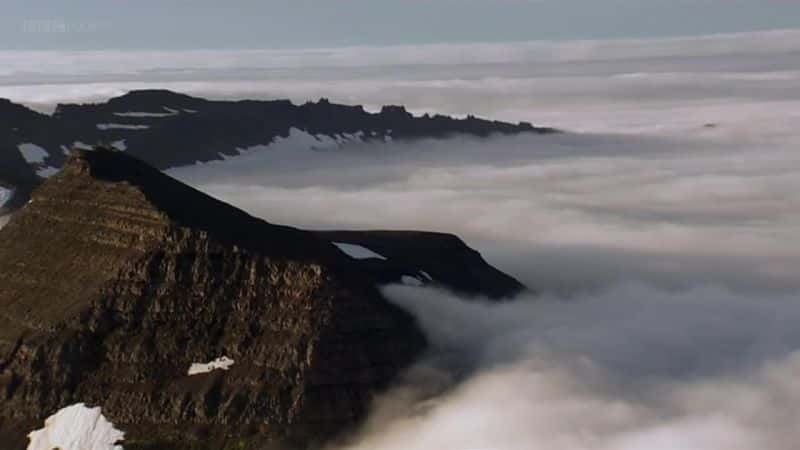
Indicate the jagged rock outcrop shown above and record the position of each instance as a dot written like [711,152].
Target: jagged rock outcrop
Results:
[429,258]
[116,279]
[167,129]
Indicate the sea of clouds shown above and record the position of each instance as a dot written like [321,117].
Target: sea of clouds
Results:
[631,368]
[661,232]
[661,229]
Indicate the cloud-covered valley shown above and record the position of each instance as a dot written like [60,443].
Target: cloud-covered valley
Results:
[564,213]
[631,368]
[663,241]
[661,229]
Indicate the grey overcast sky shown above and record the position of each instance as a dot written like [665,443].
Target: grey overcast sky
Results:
[186,24]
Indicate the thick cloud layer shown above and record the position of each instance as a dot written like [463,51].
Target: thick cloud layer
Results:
[631,368]
[666,252]
[564,213]
[690,183]
[663,235]
[675,252]
[582,85]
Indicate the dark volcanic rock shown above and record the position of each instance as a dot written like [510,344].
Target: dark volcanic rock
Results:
[17,123]
[168,129]
[429,258]
[116,278]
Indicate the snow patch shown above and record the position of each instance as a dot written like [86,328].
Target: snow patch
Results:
[426,275]
[120,145]
[32,153]
[410,281]
[190,111]
[47,171]
[145,114]
[297,141]
[76,427]
[120,126]
[5,195]
[325,142]
[221,363]
[357,251]
[77,144]
[171,111]
[302,140]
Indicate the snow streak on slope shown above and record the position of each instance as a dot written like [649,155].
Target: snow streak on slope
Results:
[221,363]
[357,251]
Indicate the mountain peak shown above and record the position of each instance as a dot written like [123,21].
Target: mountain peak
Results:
[141,279]
[105,169]
[185,318]
[155,96]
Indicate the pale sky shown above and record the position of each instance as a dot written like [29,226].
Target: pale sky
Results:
[187,24]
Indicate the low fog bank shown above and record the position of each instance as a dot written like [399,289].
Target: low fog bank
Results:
[667,264]
[631,368]
[565,213]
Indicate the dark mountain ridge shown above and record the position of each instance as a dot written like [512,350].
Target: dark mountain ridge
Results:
[430,258]
[168,129]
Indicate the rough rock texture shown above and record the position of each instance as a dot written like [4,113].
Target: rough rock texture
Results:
[178,129]
[445,258]
[115,278]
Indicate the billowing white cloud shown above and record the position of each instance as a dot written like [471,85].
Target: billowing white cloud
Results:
[662,236]
[663,248]
[564,212]
[631,368]
[631,84]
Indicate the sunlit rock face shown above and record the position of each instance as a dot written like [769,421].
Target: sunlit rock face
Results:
[189,321]
[116,279]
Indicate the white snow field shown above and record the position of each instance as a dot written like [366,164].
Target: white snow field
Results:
[357,251]
[76,427]
[32,153]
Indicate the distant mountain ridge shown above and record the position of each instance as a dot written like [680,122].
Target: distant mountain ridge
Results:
[168,129]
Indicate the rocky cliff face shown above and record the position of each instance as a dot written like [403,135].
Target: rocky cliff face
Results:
[425,258]
[168,129]
[115,280]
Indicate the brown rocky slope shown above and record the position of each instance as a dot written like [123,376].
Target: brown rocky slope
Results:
[115,279]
